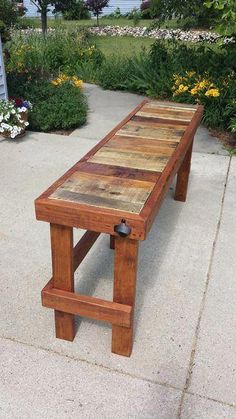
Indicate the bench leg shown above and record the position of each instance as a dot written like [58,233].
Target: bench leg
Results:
[183,176]
[112,242]
[63,275]
[125,272]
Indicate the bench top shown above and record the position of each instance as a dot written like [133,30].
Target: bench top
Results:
[126,175]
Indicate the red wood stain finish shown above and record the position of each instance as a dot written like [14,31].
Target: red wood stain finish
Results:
[123,179]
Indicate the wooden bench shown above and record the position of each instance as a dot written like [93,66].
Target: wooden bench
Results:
[117,189]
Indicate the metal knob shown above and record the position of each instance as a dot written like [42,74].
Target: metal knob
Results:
[122,229]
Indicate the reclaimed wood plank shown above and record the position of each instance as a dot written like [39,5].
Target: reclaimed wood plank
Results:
[134,160]
[137,145]
[98,201]
[123,141]
[169,113]
[146,133]
[101,190]
[162,121]
[121,172]
[171,105]
[159,131]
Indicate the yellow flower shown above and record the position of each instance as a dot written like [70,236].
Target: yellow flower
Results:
[55,82]
[78,83]
[193,91]
[212,92]
[190,73]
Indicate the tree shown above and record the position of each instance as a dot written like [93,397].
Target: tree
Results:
[73,9]
[8,17]
[43,8]
[96,7]
[227,10]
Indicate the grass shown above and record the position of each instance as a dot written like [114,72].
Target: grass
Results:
[123,46]
[55,22]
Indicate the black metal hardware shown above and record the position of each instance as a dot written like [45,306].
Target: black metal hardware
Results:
[122,229]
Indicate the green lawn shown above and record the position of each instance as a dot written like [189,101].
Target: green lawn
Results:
[128,46]
[58,22]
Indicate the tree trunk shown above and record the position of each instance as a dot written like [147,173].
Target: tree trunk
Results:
[97,20]
[44,21]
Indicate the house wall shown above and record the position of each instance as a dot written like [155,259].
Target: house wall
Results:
[124,5]
[32,9]
[3,84]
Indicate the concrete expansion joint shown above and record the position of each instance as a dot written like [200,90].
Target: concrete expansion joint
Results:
[202,304]
[122,373]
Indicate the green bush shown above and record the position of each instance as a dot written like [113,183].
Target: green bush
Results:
[153,74]
[60,107]
[62,50]
[8,17]
[77,11]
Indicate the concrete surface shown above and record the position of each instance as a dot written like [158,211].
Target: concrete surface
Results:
[183,361]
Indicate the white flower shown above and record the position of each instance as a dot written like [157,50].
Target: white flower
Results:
[23,109]
[26,123]
[13,111]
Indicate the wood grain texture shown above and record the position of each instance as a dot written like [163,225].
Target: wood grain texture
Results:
[145,161]
[148,132]
[155,199]
[86,306]
[183,176]
[83,247]
[63,275]
[101,191]
[118,171]
[125,272]
[96,193]
[112,242]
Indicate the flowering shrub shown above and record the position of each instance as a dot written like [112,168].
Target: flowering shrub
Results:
[12,117]
[194,86]
[63,78]
[61,107]
[32,55]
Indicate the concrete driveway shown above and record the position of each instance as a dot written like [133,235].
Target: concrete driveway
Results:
[183,363]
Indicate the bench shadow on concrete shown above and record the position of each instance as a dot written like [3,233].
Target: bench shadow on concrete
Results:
[102,267]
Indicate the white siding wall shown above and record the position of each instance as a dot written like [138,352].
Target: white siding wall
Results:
[124,5]
[3,84]
[32,9]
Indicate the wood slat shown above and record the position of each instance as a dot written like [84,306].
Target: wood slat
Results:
[162,123]
[112,192]
[98,201]
[137,145]
[168,113]
[121,172]
[171,123]
[133,160]
[148,133]
[86,306]
[160,131]
[171,106]
[139,141]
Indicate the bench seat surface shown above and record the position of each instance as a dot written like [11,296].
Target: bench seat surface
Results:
[123,172]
